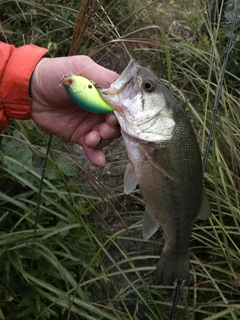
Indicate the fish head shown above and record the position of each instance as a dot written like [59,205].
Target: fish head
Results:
[140,104]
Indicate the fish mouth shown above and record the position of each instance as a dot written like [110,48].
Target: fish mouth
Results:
[120,84]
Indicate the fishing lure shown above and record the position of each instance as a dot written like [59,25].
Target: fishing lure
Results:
[84,93]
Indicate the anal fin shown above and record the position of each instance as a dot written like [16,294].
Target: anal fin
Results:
[150,226]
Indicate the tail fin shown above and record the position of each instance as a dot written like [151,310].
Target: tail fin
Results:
[172,267]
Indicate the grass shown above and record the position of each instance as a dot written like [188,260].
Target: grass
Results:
[71,244]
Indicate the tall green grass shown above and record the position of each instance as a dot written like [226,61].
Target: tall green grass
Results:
[71,244]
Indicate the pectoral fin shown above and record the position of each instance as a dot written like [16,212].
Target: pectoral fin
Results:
[150,226]
[130,179]
[163,167]
[205,210]
[159,160]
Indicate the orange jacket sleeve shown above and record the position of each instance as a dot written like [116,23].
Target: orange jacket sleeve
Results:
[16,68]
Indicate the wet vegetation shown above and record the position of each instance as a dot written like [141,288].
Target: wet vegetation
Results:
[70,239]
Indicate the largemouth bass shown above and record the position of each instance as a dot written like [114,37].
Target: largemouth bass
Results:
[165,162]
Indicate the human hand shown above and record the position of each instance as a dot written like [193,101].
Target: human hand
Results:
[54,111]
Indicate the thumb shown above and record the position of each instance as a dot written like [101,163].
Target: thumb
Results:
[86,67]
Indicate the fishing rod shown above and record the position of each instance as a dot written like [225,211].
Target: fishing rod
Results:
[220,85]
[179,282]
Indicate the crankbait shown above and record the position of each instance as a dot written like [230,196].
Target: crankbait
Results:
[84,93]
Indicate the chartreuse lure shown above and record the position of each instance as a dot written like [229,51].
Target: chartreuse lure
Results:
[84,93]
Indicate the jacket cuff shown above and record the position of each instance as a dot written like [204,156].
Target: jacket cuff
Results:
[14,90]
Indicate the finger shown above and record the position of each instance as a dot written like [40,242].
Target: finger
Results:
[94,140]
[104,136]
[103,143]
[109,132]
[96,156]
[111,119]
[93,71]
[85,126]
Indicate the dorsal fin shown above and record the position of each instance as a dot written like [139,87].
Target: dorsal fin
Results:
[205,209]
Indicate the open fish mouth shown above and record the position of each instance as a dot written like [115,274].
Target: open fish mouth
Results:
[123,80]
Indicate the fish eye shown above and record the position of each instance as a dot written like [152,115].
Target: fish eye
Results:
[90,86]
[148,85]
